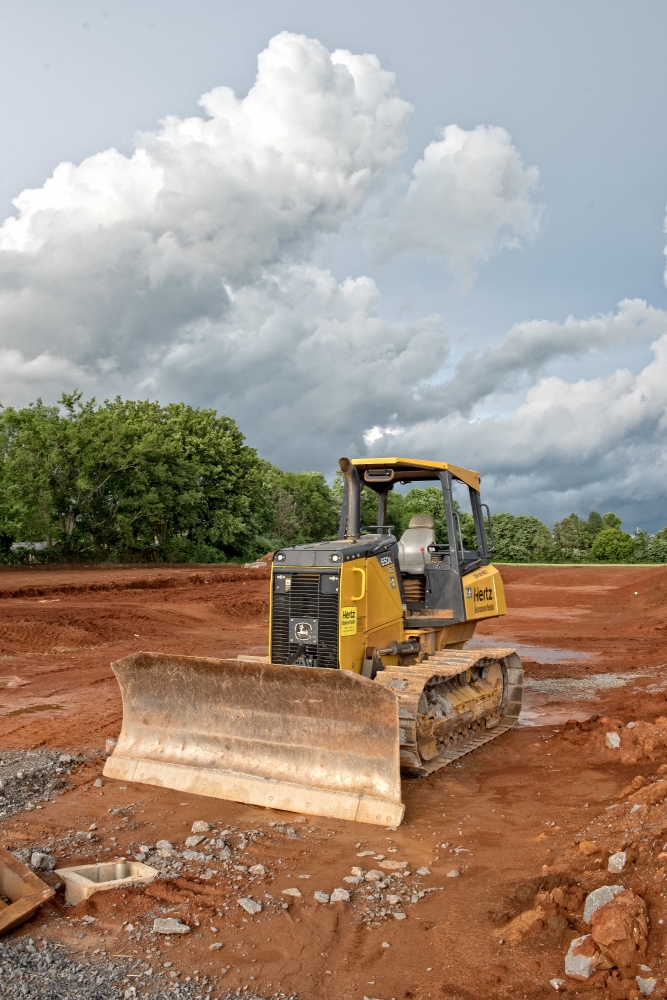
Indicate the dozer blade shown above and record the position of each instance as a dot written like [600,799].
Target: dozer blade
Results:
[316,741]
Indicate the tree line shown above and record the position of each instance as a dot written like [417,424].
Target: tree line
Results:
[136,481]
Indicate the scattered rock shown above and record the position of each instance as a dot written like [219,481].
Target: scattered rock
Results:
[321,897]
[216,946]
[43,862]
[588,847]
[164,848]
[339,896]
[385,944]
[249,905]
[616,862]
[393,865]
[258,870]
[168,925]
[193,841]
[291,892]
[399,916]
[109,745]
[98,783]
[612,741]
[620,928]
[453,873]
[193,856]
[558,984]
[353,879]
[64,759]
[646,986]
[423,871]
[201,826]
[373,875]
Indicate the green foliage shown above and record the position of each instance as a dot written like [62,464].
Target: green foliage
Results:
[520,538]
[657,549]
[126,480]
[572,539]
[301,505]
[614,545]
[595,524]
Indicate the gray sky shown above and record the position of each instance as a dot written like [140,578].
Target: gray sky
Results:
[227,286]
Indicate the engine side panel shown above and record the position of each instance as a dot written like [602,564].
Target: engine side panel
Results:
[484,594]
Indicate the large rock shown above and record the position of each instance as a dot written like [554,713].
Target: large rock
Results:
[584,958]
[599,897]
[620,928]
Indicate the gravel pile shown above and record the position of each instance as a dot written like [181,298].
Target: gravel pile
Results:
[45,971]
[28,777]
[580,688]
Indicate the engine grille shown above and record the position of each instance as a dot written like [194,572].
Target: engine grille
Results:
[306,600]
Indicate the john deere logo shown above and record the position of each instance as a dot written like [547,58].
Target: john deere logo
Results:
[303,630]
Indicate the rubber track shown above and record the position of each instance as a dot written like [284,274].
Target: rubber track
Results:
[408,682]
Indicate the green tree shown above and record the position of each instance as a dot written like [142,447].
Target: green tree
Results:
[657,549]
[613,545]
[641,544]
[571,538]
[521,538]
[128,480]
[595,524]
[302,506]
[611,520]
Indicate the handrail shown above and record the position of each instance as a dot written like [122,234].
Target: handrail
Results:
[490,524]
[357,569]
[458,521]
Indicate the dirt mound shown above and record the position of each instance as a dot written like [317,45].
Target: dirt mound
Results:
[638,741]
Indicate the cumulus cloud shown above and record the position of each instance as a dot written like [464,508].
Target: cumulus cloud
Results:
[470,196]
[185,271]
[530,346]
[575,443]
[116,257]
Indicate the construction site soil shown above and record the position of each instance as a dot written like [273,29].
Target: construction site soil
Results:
[528,822]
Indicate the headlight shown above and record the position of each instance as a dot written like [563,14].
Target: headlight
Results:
[335,557]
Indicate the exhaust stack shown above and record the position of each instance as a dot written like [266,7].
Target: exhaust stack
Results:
[350,521]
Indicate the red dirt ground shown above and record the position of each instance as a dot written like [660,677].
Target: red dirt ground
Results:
[513,808]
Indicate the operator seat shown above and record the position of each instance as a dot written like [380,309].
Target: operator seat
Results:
[413,547]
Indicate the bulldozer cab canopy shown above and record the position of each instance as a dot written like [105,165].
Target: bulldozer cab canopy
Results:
[375,471]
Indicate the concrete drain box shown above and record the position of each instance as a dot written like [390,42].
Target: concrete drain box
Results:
[24,890]
[82,881]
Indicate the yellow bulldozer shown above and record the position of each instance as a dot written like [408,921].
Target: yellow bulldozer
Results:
[367,675]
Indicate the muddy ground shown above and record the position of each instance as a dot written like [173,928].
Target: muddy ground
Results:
[508,818]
